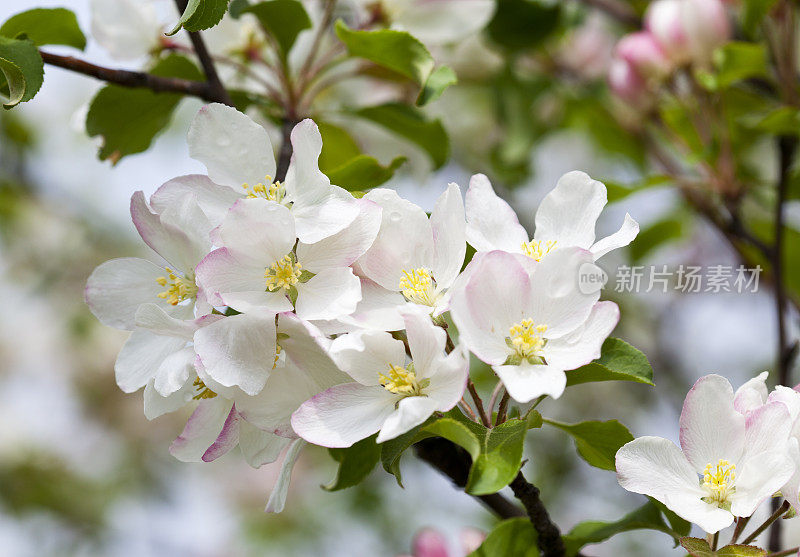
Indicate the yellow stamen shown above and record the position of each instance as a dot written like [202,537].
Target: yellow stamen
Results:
[202,391]
[284,273]
[718,481]
[402,381]
[277,355]
[274,191]
[535,249]
[526,339]
[418,286]
[178,288]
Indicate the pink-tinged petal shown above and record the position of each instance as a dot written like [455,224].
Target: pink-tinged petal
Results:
[246,302]
[621,238]
[425,340]
[583,345]
[644,54]
[365,354]
[214,200]
[789,398]
[691,507]
[117,288]
[664,19]
[174,371]
[329,294]
[259,447]
[258,231]
[491,222]
[185,214]
[752,394]
[277,499]
[791,489]
[656,467]
[239,350]
[405,240]
[449,236]
[494,298]
[307,349]
[343,414]
[222,272]
[214,423]
[471,539]
[568,214]
[430,543]
[766,428]
[234,149]
[156,405]
[711,428]
[758,477]
[141,356]
[227,439]
[526,381]
[556,297]
[343,248]
[411,411]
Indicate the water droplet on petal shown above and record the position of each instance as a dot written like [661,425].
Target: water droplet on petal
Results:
[395,217]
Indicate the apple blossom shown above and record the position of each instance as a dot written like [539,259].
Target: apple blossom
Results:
[565,218]
[389,394]
[126,29]
[436,22]
[628,85]
[688,30]
[531,327]
[644,54]
[726,466]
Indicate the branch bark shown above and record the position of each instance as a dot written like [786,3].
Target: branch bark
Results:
[616,10]
[550,542]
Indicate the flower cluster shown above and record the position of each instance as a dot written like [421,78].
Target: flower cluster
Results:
[292,311]
[737,449]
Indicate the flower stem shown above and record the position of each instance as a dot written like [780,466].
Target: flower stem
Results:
[741,522]
[478,403]
[773,517]
[785,553]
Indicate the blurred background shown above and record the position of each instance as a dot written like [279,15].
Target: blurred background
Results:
[82,472]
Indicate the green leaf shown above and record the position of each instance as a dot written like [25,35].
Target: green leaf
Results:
[46,26]
[338,146]
[699,548]
[617,192]
[201,14]
[534,420]
[355,463]
[129,119]
[393,449]
[411,124]
[618,361]
[439,80]
[656,235]
[237,7]
[781,121]
[739,60]
[496,452]
[754,11]
[363,172]
[283,19]
[524,24]
[646,517]
[395,50]
[597,442]
[513,537]
[22,68]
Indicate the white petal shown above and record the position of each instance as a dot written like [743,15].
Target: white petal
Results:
[258,230]
[153,318]
[622,237]
[212,430]
[583,345]
[174,371]
[411,411]
[329,294]
[758,477]
[425,340]
[379,309]
[307,349]
[343,248]
[117,288]
[711,428]
[525,382]
[277,499]
[449,236]
[141,356]
[214,200]
[343,414]
[766,428]
[156,405]
[568,214]
[449,380]
[709,517]
[791,489]
[260,302]
[791,399]
[234,149]
[127,29]
[444,21]
[238,350]
[259,447]
[222,272]
[491,222]
[365,354]
[752,394]
[318,219]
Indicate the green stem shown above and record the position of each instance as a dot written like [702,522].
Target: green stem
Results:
[773,517]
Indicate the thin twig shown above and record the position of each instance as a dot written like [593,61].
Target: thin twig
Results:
[741,522]
[495,394]
[550,542]
[773,517]
[305,71]
[785,553]
[501,411]
[478,403]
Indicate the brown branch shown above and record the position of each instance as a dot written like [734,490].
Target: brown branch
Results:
[616,10]
[550,542]
[285,155]
[478,403]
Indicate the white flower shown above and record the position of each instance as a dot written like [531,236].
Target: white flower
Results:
[565,218]
[414,255]
[127,29]
[726,466]
[238,153]
[390,394]
[259,267]
[179,234]
[436,22]
[530,321]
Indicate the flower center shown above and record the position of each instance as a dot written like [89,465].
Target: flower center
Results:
[201,391]
[274,191]
[402,381]
[536,249]
[718,482]
[279,355]
[284,273]
[178,288]
[418,286]
[526,339]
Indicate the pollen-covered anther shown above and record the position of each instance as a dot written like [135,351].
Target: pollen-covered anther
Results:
[269,190]
[718,481]
[536,249]
[284,273]
[402,381]
[178,288]
[201,391]
[526,339]
[418,286]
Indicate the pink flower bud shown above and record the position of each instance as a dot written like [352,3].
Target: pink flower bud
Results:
[688,30]
[626,83]
[430,543]
[644,54]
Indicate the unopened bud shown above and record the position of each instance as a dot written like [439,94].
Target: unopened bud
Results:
[644,54]
[626,83]
[688,31]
